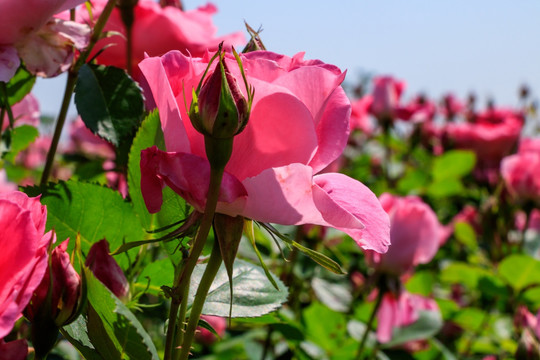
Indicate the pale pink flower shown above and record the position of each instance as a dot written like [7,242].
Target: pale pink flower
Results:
[299,124]
[28,30]
[386,96]
[415,235]
[23,259]
[521,174]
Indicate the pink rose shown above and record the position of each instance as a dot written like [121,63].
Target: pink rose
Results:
[23,259]
[415,234]
[488,139]
[401,310]
[45,44]
[521,174]
[295,130]
[386,95]
[360,119]
[451,106]
[106,269]
[218,323]
[25,111]
[157,30]
[529,144]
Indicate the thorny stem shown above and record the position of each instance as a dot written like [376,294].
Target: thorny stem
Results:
[181,284]
[6,108]
[210,272]
[70,87]
[369,325]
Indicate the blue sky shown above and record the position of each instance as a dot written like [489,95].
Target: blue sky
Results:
[490,47]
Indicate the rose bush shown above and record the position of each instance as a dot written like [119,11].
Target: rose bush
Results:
[23,259]
[299,124]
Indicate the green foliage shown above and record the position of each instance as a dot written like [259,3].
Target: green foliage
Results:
[520,271]
[19,85]
[17,140]
[253,294]
[428,324]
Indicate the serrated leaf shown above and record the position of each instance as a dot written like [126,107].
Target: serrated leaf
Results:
[174,208]
[155,275]
[253,294]
[453,164]
[337,296]
[119,325]
[93,211]
[109,101]
[77,334]
[19,85]
[520,271]
[21,137]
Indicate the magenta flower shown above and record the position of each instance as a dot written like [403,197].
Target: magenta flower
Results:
[400,310]
[44,43]
[13,350]
[157,30]
[415,235]
[106,269]
[299,124]
[23,259]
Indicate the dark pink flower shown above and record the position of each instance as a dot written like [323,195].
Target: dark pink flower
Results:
[106,269]
[401,310]
[451,106]
[66,290]
[296,129]
[13,350]
[360,119]
[415,234]
[23,259]
[157,30]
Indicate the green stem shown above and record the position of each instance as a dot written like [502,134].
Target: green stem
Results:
[6,108]
[210,272]
[181,284]
[369,325]
[70,87]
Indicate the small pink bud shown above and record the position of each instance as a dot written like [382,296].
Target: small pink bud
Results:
[106,269]
[218,323]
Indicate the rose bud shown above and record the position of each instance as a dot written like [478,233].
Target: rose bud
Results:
[205,336]
[56,302]
[219,109]
[106,269]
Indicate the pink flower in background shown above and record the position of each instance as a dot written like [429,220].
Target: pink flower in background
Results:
[83,140]
[5,184]
[415,234]
[419,110]
[360,119]
[296,129]
[157,30]
[106,269]
[25,111]
[218,323]
[451,106]
[386,96]
[28,30]
[401,310]
[13,350]
[529,144]
[489,140]
[23,259]
[521,174]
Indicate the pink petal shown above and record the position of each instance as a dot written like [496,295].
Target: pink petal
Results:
[9,62]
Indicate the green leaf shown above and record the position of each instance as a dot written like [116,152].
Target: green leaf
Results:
[337,296]
[77,334]
[428,324]
[115,325]
[320,259]
[93,211]
[174,208]
[421,283]
[453,164]
[253,294]
[462,273]
[109,102]
[445,187]
[466,235]
[324,326]
[251,236]
[156,274]
[520,271]
[21,137]
[414,181]
[20,85]
[469,318]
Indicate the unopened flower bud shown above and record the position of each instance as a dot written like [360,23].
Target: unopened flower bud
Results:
[219,109]
[106,269]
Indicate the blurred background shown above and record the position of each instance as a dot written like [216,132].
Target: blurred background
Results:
[490,48]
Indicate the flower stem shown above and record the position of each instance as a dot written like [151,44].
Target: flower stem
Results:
[369,325]
[70,87]
[181,283]
[210,272]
